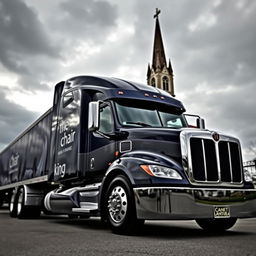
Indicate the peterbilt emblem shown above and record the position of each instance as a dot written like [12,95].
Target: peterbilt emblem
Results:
[215,136]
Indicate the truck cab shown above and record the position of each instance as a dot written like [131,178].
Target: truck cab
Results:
[134,156]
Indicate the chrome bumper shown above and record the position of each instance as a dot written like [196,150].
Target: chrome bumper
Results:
[165,203]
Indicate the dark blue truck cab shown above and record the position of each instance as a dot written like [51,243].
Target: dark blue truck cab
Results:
[125,152]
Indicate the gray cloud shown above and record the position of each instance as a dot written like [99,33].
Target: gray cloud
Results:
[88,21]
[24,43]
[23,34]
[87,15]
[13,118]
[224,51]
[35,50]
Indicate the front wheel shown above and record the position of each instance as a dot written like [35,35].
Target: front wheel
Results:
[216,225]
[120,206]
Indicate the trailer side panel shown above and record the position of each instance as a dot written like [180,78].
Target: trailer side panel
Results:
[28,156]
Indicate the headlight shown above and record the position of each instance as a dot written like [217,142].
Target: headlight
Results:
[161,171]
[247,176]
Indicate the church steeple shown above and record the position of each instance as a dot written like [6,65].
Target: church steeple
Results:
[158,61]
[160,75]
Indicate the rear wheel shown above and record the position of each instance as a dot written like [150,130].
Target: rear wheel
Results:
[13,204]
[24,211]
[21,208]
[120,207]
[2,195]
[216,225]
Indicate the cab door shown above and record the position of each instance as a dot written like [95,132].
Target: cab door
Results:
[101,147]
[66,164]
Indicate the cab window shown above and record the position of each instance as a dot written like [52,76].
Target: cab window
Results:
[106,118]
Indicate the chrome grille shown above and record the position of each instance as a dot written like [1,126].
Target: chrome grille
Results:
[210,162]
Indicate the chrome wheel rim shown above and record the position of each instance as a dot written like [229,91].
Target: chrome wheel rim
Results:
[117,204]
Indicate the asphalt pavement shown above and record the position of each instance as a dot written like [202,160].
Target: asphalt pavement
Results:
[58,235]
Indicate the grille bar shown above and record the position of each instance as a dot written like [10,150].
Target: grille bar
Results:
[205,168]
[230,164]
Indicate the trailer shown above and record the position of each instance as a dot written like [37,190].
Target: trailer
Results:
[125,152]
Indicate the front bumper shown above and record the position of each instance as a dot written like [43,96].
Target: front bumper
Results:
[166,203]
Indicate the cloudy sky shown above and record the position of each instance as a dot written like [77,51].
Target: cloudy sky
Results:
[212,46]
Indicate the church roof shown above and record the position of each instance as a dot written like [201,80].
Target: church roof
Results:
[158,60]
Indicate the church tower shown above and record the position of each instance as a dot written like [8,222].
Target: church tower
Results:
[159,74]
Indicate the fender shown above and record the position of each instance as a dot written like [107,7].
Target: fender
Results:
[33,195]
[129,165]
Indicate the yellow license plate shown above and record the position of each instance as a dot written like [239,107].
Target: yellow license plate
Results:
[221,212]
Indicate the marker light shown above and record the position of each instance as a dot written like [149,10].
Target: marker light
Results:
[161,171]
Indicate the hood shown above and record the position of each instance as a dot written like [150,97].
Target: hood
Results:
[156,140]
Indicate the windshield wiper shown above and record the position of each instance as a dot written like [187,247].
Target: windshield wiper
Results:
[139,123]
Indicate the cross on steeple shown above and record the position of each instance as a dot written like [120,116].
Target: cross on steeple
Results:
[157,13]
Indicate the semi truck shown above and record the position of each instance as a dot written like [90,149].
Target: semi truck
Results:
[124,152]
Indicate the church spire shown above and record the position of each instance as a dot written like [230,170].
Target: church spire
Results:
[159,74]
[158,61]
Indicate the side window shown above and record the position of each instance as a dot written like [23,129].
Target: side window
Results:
[165,84]
[67,99]
[106,118]
[153,82]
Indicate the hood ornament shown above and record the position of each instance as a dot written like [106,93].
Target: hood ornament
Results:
[216,136]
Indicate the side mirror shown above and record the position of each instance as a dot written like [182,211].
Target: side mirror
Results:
[195,121]
[93,116]
[67,99]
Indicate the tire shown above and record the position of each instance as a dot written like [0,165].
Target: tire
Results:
[120,207]
[13,204]
[1,200]
[23,211]
[21,208]
[216,225]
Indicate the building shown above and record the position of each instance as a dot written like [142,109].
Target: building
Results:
[159,74]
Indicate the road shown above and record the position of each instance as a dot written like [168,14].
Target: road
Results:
[58,235]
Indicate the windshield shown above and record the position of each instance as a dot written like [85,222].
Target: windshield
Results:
[138,114]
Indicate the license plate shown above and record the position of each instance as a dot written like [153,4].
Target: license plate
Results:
[221,212]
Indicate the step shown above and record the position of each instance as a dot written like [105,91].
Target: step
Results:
[86,207]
